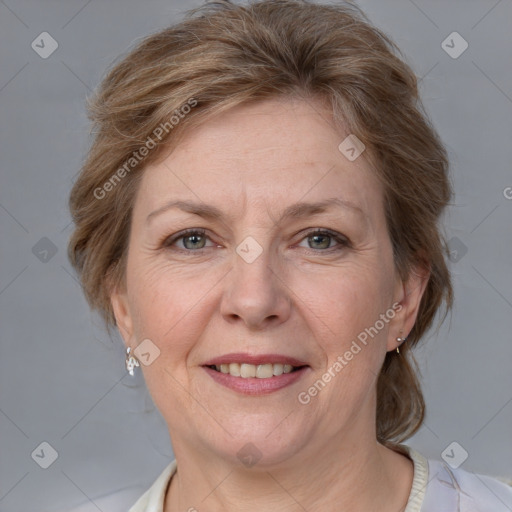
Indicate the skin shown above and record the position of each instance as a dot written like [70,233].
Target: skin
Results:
[303,296]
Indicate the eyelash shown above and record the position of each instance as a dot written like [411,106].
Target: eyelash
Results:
[342,241]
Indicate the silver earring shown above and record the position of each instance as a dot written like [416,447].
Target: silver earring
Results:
[400,340]
[131,361]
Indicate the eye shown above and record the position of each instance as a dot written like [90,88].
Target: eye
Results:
[192,240]
[321,240]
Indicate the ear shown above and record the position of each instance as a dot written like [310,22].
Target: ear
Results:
[122,313]
[408,296]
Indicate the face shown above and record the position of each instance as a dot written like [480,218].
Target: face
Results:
[239,272]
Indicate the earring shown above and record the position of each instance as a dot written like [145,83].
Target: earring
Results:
[131,361]
[400,340]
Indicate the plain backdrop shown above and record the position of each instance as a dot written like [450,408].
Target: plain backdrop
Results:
[62,379]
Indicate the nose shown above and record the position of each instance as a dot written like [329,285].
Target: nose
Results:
[255,293]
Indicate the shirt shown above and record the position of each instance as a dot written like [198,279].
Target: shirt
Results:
[436,487]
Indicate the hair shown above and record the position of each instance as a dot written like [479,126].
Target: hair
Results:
[223,55]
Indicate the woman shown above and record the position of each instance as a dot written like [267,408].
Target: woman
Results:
[258,216]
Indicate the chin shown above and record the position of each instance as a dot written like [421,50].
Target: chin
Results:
[259,440]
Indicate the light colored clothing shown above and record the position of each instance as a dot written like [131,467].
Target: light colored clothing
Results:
[435,488]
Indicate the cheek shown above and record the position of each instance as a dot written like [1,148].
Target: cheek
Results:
[349,312]
[353,349]
[170,307]
[347,300]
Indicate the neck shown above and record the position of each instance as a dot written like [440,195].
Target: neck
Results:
[344,475]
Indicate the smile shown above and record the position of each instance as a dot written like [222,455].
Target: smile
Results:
[260,371]
[255,374]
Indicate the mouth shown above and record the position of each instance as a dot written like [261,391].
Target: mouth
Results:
[255,374]
[260,371]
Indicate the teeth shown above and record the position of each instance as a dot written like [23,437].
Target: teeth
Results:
[260,371]
[247,370]
[264,371]
[278,369]
[234,369]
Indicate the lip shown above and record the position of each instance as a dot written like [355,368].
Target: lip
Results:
[254,386]
[241,357]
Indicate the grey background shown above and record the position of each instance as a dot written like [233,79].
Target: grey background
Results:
[63,380]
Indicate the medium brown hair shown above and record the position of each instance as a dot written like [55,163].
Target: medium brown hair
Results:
[223,55]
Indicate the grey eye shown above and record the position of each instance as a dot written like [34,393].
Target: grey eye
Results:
[193,241]
[321,241]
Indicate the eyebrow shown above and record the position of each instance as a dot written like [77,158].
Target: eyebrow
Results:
[296,210]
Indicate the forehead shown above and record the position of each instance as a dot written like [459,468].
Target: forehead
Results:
[271,153]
